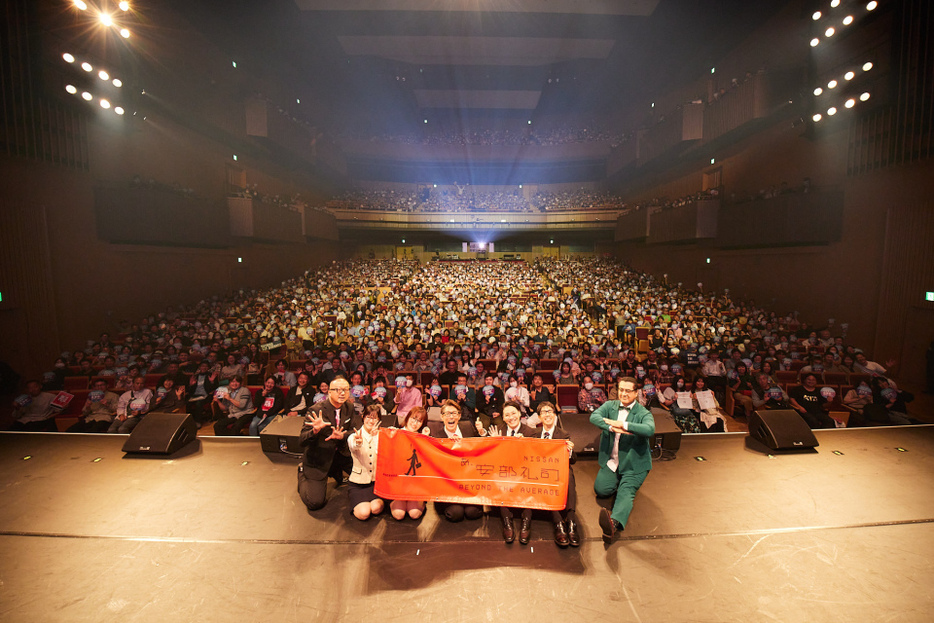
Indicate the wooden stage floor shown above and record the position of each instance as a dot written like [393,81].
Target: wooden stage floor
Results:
[844,533]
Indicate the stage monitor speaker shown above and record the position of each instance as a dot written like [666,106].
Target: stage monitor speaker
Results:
[281,435]
[161,433]
[667,433]
[781,429]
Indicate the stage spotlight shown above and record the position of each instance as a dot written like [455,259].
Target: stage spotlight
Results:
[81,5]
[818,91]
[872,5]
[816,16]
[832,84]
[829,32]
[850,103]
[849,75]
[106,20]
[867,66]
[119,110]
[87,96]
[816,117]
[124,33]
[86,66]
[864,96]
[124,5]
[71,88]
[117,82]
[68,57]
[815,42]
[832,111]
[105,104]
[103,75]
[847,20]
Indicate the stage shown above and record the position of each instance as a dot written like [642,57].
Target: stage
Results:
[217,533]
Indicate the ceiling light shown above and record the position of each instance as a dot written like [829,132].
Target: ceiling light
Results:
[834,3]
[106,20]
[71,88]
[124,5]
[103,75]
[119,110]
[847,20]
[87,96]
[867,66]
[849,75]
[86,66]
[831,111]
[816,16]
[81,5]
[124,33]
[816,117]
[872,5]
[68,57]
[117,82]
[864,96]
[105,104]
[815,42]
[818,91]
[850,103]
[832,84]
[829,32]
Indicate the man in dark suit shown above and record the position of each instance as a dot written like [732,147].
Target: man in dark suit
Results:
[324,438]
[625,454]
[566,527]
[451,427]
[513,427]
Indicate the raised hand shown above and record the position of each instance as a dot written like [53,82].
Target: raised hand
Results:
[317,422]
[337,433]
[358,438]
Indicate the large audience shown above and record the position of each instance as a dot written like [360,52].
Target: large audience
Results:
[531,135]
[583,322]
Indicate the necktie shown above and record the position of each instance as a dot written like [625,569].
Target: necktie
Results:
[613,462]
[547,435]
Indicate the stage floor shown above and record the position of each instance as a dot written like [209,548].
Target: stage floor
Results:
[845,533]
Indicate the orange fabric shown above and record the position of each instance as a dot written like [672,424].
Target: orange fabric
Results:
[497,471]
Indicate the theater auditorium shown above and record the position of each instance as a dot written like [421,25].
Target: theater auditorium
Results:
[608,310]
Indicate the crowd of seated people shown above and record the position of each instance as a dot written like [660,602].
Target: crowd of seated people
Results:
[448,330]
[472,199]
[530,135]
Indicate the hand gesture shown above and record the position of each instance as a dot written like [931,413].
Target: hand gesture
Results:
[358,438]
[337,433]
[494,431]
[570,447]
[480,430]
[317,422]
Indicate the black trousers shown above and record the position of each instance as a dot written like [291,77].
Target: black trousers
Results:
[232,425]
[314,491]
[88,427]
[45,426]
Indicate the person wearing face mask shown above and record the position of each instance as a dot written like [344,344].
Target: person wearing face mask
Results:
[407,398]
[518,393]
[625,455]
[590,397]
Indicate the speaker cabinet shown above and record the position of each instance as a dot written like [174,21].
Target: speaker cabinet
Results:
[781,429]
[282,435]
[161,433]
[667,433]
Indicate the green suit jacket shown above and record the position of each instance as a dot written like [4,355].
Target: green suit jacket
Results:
[634,450]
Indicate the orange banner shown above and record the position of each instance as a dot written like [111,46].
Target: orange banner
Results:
[497,471]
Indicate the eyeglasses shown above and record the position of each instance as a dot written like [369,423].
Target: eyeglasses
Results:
[340,390]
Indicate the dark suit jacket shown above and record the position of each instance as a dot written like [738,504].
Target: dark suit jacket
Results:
[634,450]
[437,429]
[525,431]
[320,453]
[559,433]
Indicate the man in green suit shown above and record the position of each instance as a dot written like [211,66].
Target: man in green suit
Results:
[625,454]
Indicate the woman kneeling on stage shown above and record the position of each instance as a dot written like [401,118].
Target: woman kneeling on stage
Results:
[364,444]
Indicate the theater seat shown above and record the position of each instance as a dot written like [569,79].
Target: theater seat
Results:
[567,396]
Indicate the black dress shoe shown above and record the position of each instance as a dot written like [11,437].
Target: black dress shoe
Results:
[607,525]
[509,533]
[574,537]
[561,535]
[525,531]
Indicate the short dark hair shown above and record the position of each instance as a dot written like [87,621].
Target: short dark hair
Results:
[512,403]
